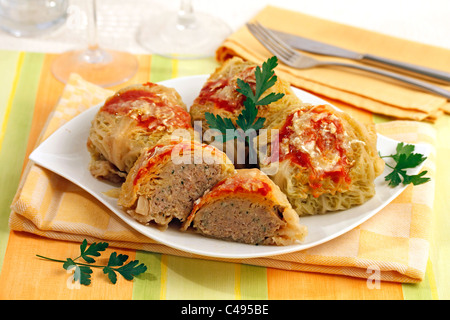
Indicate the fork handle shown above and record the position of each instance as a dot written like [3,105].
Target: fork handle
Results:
[417,83]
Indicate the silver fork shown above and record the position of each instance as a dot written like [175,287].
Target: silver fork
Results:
[295,59]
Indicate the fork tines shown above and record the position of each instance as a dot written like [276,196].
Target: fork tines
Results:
[273,43]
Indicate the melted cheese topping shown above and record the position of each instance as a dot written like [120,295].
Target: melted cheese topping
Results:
[323,156]
[315,140]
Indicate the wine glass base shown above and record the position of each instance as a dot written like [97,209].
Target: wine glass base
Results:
[163,35]
[105,68]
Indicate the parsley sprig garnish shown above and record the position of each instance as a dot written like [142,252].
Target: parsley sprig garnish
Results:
[115,264]
[405,158]
[248,120]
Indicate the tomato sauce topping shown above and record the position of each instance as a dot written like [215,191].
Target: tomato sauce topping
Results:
[319,147]
[237,184]
[222,91]
[135,104]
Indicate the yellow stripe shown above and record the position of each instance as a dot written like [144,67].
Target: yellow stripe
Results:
[163,292]
[174,68]
[432,281]
[11,98]
[237,281]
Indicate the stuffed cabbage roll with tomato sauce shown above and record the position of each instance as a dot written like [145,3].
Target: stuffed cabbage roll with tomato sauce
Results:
[167,178]
[219,96]
[134,118]
[246,207]
[322,159]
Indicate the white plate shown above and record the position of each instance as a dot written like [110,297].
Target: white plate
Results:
[65,153]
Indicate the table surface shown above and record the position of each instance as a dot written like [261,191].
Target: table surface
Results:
[35,95]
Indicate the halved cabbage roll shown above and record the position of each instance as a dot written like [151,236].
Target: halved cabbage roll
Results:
[322,159]
[247,207]
[134,118]
[167,178]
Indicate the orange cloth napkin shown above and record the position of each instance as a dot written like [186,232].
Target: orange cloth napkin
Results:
[392,246]
[360,89]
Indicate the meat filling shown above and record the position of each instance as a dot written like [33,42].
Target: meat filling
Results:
[240,220]
[174,190]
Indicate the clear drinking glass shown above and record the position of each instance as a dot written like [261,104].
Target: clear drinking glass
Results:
[185,34]
[95,64]
[30,18]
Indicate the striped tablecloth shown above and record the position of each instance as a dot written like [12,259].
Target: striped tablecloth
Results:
[28,94]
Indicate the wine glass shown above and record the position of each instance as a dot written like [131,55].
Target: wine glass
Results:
[183,35]
[97,65]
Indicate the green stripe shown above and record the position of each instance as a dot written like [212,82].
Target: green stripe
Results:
[164,68]
[196,67]
[160,69]
[253,283]
[16,137]
[418,291]
[194,279]
[148,285]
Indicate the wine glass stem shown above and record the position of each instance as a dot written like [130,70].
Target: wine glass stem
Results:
[186,18]
[91,12]
[94,54]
